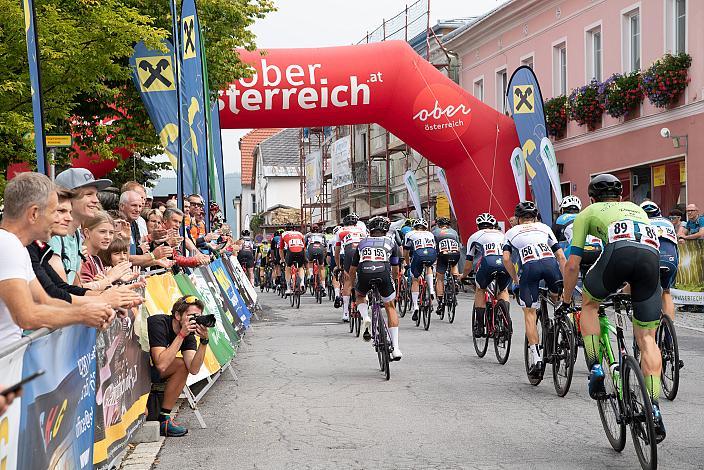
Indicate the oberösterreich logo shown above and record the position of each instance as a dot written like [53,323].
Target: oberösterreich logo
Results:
[442,113]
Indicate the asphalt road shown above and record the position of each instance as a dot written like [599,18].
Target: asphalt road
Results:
[310,395]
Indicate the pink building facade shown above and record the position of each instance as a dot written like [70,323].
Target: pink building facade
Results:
[569,42]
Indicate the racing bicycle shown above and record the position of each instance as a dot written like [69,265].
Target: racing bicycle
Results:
[297,289]
[497,324]
[450,296]
[381,340]
[425,302]
[404,294]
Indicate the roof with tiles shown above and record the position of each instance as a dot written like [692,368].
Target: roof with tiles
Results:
[248,143]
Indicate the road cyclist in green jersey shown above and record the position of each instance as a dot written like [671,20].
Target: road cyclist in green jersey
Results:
[630,256]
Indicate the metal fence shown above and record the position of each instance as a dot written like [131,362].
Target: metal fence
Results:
[405,25]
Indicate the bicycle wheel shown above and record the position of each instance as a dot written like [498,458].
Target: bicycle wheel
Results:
[667,341]
[420,308]
[502,333]
[639,411]
[451,309]
[534,380]
[480,344]
[563,355]
[427,312]
[357,324]
[384,346]
[610,407]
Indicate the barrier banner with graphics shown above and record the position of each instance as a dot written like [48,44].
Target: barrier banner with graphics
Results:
[245,288]
[11,367]
[58,408]
[229,309]
[340,159]
[210,294]
[689,285]
[313,171]
[122,387]
[228,289]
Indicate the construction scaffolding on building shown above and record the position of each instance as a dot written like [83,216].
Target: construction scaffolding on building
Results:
[379,160]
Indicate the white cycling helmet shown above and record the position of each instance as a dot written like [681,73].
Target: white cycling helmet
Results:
[571,201]
[486,219]
[420,222]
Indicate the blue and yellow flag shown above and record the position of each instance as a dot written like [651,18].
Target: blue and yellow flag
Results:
[526,105]
[35,83]
[216,139]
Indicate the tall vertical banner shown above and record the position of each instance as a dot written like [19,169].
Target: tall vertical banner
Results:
[153,76]
[412,185]
[313,169]
[442,178]
[526,105]
[518,166]
[193,108]
[30,29]
[340,159]
[547,153]
[216,139]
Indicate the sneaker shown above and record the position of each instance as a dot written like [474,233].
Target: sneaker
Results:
[346,317]
[536,369]
[396,354]
[659,425]
[596,382]
[338,302]
[415,315]
[367,329]
[169,428]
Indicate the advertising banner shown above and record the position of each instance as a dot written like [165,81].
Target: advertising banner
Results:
[412,185]
[229,290]
[58,408]
[340,152]
[35,83]
[518,166]
[245,288]
[229,309]
[313,171]
[689,285]
[210,293]
[11,367]
[442,178]
[123,385]
[526,104]
[547,153]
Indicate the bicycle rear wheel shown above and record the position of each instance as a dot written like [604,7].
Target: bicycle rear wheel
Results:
[427,303]
[610,408]
[639,411]
[667,341]
[357,323]
[480,344]
[563,355]
[502,333]
[451,310]
[534,380]
[297,299]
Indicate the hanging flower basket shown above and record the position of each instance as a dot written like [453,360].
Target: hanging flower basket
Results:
[584,105]
[665,80]
[621,94]
[555,110]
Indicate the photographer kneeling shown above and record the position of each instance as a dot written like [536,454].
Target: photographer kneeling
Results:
[169,335]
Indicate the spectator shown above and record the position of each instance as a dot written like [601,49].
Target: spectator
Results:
[169,335]
[195,224]
[695,222]
[139,189]
[109,199]
[130,208]
[676,216]
[172,221]
[172,204]
[30,211]
[149,198]
[118,254]
[98,234]
[162,207]
[66,259]
[122,227]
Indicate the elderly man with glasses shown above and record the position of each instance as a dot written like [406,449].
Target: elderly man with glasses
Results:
[695,224]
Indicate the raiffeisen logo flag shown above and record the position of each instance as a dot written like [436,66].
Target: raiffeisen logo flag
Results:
[526,104]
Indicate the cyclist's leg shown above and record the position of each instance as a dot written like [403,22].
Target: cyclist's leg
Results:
[431,259]
[481,280]
[669,260]
[347,281]
[387,292]
[287,271]
[440,279]
[531,275]
[415,271]
[361,288]
[301,260]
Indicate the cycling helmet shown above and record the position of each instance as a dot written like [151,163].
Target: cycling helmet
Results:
[315,228]
[605,186]
[329,229]
[290,227]
[379,223]
[571,202]
[651,209]
[420,222]
[408,222]
[526,210]
[245,233]
[350,219]
[486,219]
[279,231]
[440,221]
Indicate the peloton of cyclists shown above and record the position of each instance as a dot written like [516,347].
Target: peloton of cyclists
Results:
[263,259]
[315,251]
[420,254]
[291,250]
[345,242]
[376,258]
[447,241]
[246,254]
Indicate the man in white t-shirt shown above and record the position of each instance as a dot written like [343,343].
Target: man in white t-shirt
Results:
[30,211]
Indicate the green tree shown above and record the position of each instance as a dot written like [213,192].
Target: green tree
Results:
[85,47]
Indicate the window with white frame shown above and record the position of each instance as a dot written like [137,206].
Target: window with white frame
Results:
[676,26]
[631,40]
[593,53]
[501,85]
[479,89]
[559,69]
[528,62]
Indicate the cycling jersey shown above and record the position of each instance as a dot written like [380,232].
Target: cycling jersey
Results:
[484,249]
[669,252]
[373,258]
[401,234]
[275,247]
[314,240]
[292,241]
[559,227]
[347,236]
[447,240]
[421,244]
[246,254]
[247,246]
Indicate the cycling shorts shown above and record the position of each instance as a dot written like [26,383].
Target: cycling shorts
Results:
[589,257]
[276,256]
[669,260]
[426,256]
[385,284]
[246,259]
[532,273]
[487,267]
[299,258]
[636,264]
[347,256]
[313,253]
[447,259]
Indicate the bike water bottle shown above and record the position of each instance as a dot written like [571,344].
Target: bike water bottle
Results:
[616,374]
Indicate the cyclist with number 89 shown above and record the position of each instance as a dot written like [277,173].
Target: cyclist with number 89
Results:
[631,255]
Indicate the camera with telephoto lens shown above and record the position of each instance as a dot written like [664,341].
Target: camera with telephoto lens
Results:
[207,321]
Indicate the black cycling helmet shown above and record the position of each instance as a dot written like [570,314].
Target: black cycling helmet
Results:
[526,210]
[245,233]
[605,186]
[350,219]
[379,223]
[329,229]
[442,221]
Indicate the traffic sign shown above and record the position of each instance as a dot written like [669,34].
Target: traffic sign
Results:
[59,141]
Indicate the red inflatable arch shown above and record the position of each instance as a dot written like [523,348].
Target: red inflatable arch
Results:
[389,84]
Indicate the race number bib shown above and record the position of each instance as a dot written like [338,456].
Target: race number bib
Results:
[666,232]
[295,243]
[448,245]
[421,243]
[491,249]
[535,252]
[374,255]
[351,237]
[626,230]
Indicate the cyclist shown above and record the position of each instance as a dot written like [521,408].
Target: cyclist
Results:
[400,235]
[484,256]
[569,208]
[246,254]
[447,241]
[331,263]
[291,249]
[315,250]
[276,254]
[346,241]
[262,258]
[377,258]
[631,254]
[419,248]
[540,258]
